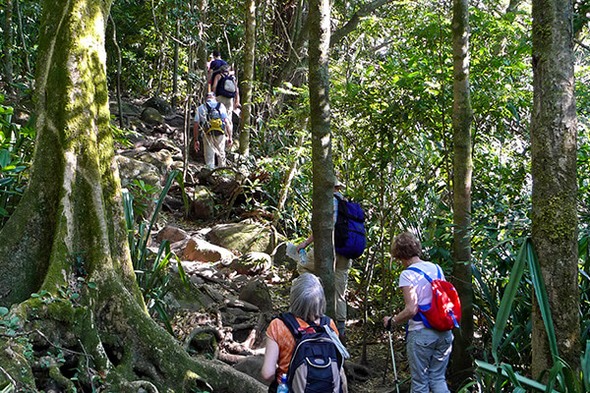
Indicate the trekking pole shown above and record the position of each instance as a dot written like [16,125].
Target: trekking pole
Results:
[395,381]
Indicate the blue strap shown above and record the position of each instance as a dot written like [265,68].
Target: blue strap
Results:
[438,270]
[291,322]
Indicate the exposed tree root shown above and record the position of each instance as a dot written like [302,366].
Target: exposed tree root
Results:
[60,345]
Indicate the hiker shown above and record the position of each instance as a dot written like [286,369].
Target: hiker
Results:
[226,90]
[428,350]
[213,67]
[211,119]
[341,267]
[307,305]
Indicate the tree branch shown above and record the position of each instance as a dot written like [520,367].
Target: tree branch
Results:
[353,22]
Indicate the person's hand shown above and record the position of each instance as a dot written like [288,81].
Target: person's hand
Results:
[388,323]
[301,246]
[229,141]
[197,145]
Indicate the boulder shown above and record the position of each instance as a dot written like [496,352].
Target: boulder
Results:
[200,250]
[161,159]
[252,263]
[131,169]
[243,237]
[160,104]
[172,234]
[203,203]
[151,116]
[256,292]
[164,144]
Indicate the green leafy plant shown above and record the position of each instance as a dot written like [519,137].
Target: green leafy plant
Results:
[143,195]
[16,148]
[561,377]
[152,271]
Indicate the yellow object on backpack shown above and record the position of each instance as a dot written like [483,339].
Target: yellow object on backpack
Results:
[214,121]
[215,125]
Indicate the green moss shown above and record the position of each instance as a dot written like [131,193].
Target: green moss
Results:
[61,310]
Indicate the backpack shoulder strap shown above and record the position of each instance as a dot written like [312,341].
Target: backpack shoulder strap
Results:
[325,321]
[218,106]
[415,269]
[291,322]
[342,206]
[326,325]
[339,196]
[439,271]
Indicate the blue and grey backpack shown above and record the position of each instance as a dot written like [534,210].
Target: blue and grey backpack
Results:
[226,85]
[316,364]
[350,237]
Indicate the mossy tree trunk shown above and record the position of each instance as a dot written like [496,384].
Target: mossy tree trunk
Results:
[67,241]
[247,84]
[321,145]
[462,361]
[554,199]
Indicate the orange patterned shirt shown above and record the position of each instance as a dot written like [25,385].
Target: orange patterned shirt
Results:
[279,333]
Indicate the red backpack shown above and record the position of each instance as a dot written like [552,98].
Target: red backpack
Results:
[444,313]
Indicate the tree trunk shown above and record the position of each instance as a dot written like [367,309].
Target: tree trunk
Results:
[68,241]
[321,145]
[8,45]
[118,74]
[23,41]
[202,7]
[554,151]
[462,360]
[248,77]
[175,72]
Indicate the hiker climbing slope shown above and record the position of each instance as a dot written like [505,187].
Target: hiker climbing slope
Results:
[214,66]
[211,120]
[348,245]
[226,91]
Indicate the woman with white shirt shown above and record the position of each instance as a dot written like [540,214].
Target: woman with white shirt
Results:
[428,349]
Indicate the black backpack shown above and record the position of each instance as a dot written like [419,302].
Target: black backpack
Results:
[350,237]
[316,364]
[226,86]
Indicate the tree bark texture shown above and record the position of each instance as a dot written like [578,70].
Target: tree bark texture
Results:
[462,359]
[248,77]
[321,145]
[8,45]
[554,199]
[68,237]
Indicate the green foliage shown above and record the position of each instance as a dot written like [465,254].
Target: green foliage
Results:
[16,149]
[152,271]
[144,195]
[146,33]
[9,324]
[561,377]
[25,26]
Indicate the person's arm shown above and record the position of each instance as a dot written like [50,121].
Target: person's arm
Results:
[228,132]
[271,357]
[306,243]
[237,98]
[410,309]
